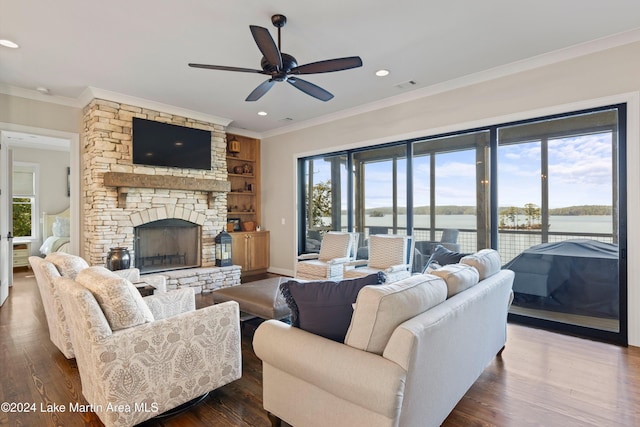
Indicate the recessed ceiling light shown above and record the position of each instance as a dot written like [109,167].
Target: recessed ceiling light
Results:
[382,73]
[262,113]
[8,43]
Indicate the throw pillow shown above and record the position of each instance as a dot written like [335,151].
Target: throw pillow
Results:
[324,307]
[60,227]
[120,301]
[68,265]
[443,256]
[458,277]
[380,309]
[486,261]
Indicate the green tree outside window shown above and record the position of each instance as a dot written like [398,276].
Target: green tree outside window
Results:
[22,218]
[321,203]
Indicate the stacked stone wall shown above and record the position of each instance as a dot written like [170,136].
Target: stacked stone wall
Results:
[107,147]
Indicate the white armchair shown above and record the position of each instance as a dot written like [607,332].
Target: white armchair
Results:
[135,364]
[59,264]
[337,248]
[389,253]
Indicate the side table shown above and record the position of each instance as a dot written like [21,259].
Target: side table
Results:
[144,288]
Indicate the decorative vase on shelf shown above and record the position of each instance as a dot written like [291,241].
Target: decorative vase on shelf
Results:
[118,259]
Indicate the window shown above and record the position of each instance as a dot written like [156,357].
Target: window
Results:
[516,187]
[325,199]
[25,218]
[381,190]
[450,188]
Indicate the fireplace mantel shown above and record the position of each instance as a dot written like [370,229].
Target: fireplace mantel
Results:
[124,181]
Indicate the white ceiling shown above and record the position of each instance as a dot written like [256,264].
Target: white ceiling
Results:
[26,140]
[140,48]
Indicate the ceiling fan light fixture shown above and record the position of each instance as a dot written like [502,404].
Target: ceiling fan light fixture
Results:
[9,44]
[382,73]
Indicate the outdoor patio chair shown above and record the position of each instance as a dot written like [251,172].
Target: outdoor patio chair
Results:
[389,253]
[336,249]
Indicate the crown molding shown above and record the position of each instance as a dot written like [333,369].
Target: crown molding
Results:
[244,132]
[527,64]
[92,92]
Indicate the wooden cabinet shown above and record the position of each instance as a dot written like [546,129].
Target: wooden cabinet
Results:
[243,171]
[250,250]
[21,252]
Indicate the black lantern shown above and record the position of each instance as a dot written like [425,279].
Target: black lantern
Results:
[223,249]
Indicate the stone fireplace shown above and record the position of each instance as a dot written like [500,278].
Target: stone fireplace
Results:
[120,199]
[166,244]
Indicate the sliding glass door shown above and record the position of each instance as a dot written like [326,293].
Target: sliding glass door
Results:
[560,229]
[548,193]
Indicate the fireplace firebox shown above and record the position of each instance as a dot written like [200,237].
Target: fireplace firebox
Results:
[167,244]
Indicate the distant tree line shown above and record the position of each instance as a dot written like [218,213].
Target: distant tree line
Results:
[471,210]
[582,210]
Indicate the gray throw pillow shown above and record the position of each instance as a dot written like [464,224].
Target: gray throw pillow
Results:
[325,307]
[443,256]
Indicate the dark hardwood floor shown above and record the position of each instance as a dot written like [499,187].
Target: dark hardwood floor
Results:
[542,379]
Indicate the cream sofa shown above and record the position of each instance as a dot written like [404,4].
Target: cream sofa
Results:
[413,349]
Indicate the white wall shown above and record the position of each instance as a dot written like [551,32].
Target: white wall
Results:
[53,176]
[58,119]
[594,79]
[38,114]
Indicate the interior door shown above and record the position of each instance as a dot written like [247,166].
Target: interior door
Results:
[6,221]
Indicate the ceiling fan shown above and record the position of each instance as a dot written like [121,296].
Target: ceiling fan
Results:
[282,67]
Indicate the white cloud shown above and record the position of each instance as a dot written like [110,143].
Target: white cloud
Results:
[456,169]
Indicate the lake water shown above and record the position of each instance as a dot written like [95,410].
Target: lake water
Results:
[569,224]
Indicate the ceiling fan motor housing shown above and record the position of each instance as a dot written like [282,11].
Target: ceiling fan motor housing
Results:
[288,63]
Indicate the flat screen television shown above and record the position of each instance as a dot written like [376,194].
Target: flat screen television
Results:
[164,144]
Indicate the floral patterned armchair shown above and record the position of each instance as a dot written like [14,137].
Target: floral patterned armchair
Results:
[134,362]
[59,264]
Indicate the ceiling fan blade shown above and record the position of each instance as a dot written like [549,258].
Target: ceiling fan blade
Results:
[328,66]
[225,68]
[310,89]
[260,90]
[266,45]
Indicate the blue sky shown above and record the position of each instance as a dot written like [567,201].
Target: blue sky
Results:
[580,171]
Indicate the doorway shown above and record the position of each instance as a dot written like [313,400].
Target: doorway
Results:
[45,156]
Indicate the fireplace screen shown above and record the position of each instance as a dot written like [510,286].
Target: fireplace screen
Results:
[167,244]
